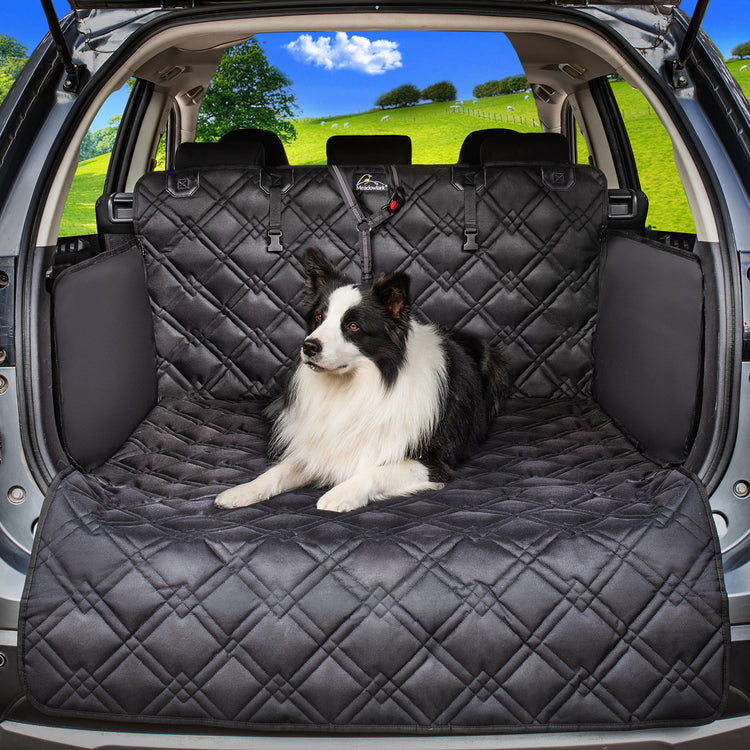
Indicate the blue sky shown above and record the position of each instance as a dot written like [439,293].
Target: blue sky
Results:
[345,73]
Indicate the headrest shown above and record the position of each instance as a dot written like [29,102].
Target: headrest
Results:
[246,138]
[189,155]
[525,147]
[351,150]
[469,153]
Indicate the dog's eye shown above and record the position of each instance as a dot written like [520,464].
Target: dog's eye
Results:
[318,318]
[353,326]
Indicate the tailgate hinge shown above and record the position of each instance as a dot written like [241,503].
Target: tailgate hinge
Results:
[74,72]
[676,67]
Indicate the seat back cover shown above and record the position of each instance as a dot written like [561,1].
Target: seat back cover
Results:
[227,297]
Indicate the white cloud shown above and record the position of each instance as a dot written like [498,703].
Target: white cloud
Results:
[345,52]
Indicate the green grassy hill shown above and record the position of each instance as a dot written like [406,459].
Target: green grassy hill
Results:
[652,148]
[741,76]
[437,131]
[87,187]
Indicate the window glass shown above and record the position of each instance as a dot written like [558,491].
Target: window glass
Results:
[652,148]
[161,153]
[435,87]
[582,150]
[79,216]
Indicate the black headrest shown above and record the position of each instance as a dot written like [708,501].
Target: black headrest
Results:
[245,138]
[189,155]
[525,147]
[350,150]
[469,153]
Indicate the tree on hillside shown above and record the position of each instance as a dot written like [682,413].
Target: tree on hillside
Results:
[516,83]
[247,92]
[742,50]
[488,88]
[401,96]
[443,91]
[12,59]
[97,142]
[507,85]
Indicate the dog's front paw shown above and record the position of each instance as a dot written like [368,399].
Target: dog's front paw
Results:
[239,497]
[341,499]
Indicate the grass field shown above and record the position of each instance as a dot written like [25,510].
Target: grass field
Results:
[88,183]
[437,132]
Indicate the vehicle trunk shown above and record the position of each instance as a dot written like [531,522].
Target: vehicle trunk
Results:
[462,608]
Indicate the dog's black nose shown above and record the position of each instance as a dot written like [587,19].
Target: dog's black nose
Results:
[311,347]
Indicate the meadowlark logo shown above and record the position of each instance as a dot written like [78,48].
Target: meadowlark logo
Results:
[367,182]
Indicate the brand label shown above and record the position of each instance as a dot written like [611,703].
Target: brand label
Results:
[368,183]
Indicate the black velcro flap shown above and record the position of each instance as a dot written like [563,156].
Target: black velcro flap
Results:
[649,344]
[106,371]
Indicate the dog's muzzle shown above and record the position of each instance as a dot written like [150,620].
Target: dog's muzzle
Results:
[311,348]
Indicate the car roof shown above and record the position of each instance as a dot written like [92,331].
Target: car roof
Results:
[181,4]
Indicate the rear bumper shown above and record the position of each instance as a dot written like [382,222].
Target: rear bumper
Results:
[727,734]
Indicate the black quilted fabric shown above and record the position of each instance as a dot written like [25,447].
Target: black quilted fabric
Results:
[531,285]
[226,309]
[560,580]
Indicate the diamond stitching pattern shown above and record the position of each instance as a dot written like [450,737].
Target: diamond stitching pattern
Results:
[532,286]
[226,310]
[464,608]
[467,607]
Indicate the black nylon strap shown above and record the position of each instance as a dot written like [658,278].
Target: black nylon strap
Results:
[274,216]
[395,200]
[347,194]
[363,227]
[366,223]
[470,213]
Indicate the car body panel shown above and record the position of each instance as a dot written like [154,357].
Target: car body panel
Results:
[646,35]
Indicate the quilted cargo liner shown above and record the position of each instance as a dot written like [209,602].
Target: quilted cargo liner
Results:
[561,581]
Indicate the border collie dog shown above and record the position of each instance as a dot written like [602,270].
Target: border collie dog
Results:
[380,405]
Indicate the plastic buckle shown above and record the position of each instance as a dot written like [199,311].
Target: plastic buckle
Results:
[274,241]
[470,245]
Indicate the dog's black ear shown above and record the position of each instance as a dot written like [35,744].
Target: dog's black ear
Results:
[393,293]
[319,271]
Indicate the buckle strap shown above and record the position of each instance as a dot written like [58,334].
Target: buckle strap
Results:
[366,223]
[363,227]
[470,213]
[274,216]
[394,203]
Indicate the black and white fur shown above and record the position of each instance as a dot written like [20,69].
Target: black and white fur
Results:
[380,405]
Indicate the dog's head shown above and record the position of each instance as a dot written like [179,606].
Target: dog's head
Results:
[353,325]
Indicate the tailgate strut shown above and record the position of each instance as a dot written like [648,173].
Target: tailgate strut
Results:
[679,79]
[75,72]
